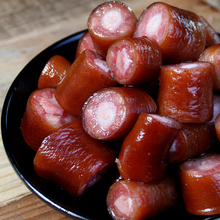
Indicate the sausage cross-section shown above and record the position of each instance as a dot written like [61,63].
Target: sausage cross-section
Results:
[134,60]
[111,113]
[108,22]
[43,115]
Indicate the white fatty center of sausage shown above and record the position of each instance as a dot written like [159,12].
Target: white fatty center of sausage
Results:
[106,114]
[51,110]
[124,204]
[154,25]
[123,61]
[101,64]
[206,165]
[112,20]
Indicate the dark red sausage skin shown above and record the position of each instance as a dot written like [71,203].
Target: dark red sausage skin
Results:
[133,200]
[200,185]
[172,28]
[43,115]
[88,74]
[192,141]
[186,92]
[85,43]
[108,22]
[212,37]
[134,60]
[212,54]
[111,113]
[54,71]
[72,159]
[147,146]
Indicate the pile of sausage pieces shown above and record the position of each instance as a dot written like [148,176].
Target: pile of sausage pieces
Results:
[142,95]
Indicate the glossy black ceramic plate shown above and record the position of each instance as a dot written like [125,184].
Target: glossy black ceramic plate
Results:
[91,206]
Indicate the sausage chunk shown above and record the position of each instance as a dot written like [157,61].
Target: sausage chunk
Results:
[111,113]
[128,199]
[176,31]
[109,22]
[73,159]
[200,185]
[186,92]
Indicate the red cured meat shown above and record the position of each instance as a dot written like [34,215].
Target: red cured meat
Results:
[186,92]
[72,159]
[43,115]
[53,72]
[144,152]
[192,141]
[111,113]
[200,185]
[133,200]
[85,43]
[108,22]
[134,60]
[176,31]
[212,55]
[88,74]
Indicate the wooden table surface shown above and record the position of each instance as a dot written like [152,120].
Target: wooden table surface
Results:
[26,28]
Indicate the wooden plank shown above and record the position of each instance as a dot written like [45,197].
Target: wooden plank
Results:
[30,207]
[213,3]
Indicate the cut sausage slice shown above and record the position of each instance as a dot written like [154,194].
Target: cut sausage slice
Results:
[109,22]
[144,153]
[85,43]
[153,22]
[200,185]
[73,159]
[172,28]
[42,116]
[186,92]
[111,113]
[128,199]
[88,74]
[53,72]
[134,60]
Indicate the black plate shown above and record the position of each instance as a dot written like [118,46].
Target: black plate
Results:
[91,206]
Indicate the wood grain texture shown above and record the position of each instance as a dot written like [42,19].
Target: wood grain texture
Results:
[30,207]
[26,28]
[213,3]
